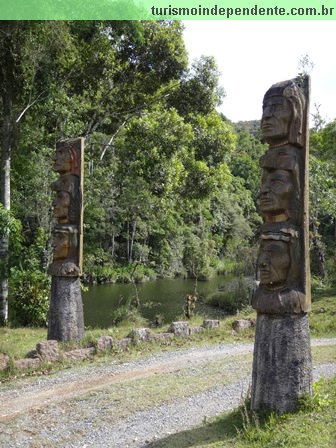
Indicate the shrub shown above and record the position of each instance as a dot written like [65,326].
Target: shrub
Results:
[127,312]
[29,299]
[233,297]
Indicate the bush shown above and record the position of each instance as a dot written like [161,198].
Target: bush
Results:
[235,296]
[127,312]
[29,299]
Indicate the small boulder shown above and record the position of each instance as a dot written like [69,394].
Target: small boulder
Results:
[104,343]
[242,324]
[79,354]
[211,323]
[195,330]
[27,363]
[141,334]
[48,351]
[124,343]
[180,329]
[159,337]
[4,359]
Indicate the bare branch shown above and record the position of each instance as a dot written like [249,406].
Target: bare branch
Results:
[111,140]
[29,105]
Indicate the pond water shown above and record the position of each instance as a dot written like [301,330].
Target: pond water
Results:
[163,296]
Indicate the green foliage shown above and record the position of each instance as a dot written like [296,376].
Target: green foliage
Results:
[319,399]
[29,299]
[127,313]
[29,284]
[235,296]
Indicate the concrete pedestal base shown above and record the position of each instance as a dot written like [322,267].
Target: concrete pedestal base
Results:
[282,366]
[66,321]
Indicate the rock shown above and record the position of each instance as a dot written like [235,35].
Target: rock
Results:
[79,354]
[124,343]
[48,351]
[141,334]
[180,329]
[195,330]
[104,343]
[27,363]
[162,336]
[242,324]
[211,323]
[3,361]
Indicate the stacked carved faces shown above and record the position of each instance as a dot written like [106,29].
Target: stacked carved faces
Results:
[67,209]
[281,261]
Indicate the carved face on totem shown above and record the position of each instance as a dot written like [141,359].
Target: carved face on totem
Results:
[276,191]
[62,160]
[64,241]
[276,119]
[273,263]
[61,205]
[282,120]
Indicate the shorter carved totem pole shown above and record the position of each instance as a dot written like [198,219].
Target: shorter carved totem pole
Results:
[282,367]
[66,320]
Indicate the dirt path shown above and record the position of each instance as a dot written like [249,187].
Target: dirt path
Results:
[124,405]
[75,386]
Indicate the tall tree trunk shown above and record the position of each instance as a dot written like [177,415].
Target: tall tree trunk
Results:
[128,243]
[112,245]
[7,139]
[318,252]
[5,201]
[134,225]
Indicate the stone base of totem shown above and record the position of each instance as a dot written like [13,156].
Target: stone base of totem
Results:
[282,366]
[66,320]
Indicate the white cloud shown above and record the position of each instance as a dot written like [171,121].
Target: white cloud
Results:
[253,55]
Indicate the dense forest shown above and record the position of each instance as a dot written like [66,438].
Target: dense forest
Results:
[171,185]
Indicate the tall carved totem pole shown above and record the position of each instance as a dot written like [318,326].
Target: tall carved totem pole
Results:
[282,368]
[66,320]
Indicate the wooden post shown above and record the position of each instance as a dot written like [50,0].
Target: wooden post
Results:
[282,367]
[66,320]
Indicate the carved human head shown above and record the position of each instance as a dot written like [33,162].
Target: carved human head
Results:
[61,205]
[279,196]
[283,108]
[273,263]
[65,242]
[276,192]
[66,159]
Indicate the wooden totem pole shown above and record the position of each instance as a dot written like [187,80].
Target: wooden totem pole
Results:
[66,320]
[282,368]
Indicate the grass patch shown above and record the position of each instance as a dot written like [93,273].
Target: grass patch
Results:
[322,319]
[312,426]
[17,342]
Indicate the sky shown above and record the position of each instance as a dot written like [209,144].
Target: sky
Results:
[253,55]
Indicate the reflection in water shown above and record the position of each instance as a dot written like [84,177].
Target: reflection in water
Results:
[164,296]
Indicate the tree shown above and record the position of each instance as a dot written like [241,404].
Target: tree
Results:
[322,194]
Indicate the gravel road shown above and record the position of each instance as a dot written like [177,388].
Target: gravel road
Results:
[130,404]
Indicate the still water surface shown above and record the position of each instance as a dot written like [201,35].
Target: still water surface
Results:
[163,296]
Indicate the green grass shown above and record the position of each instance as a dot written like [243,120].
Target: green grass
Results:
[322,319]
[17,342]
[311,427]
